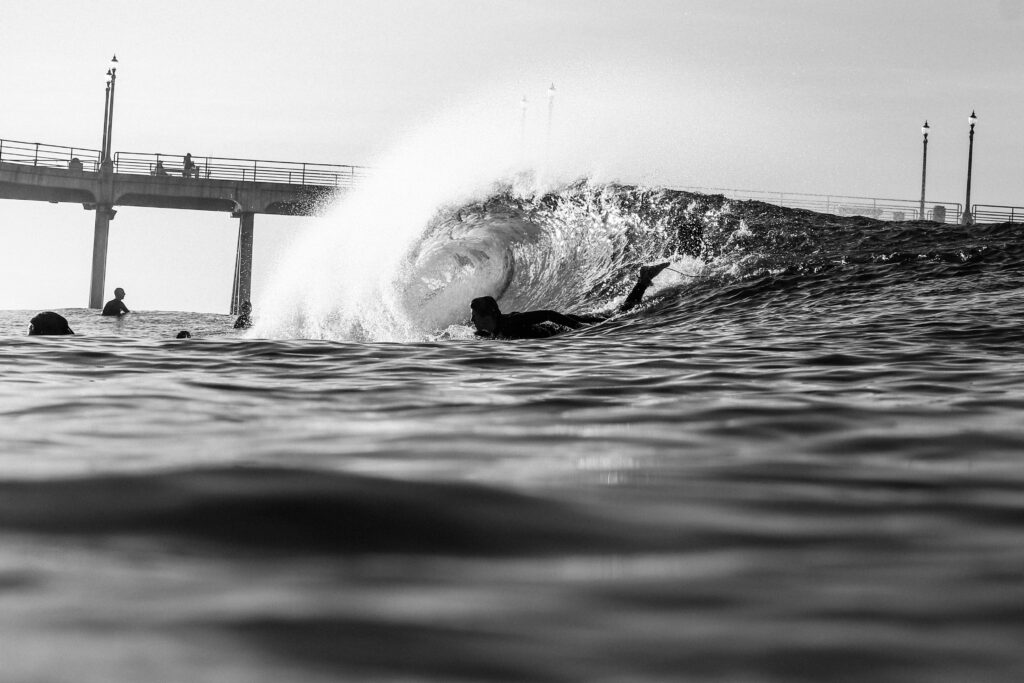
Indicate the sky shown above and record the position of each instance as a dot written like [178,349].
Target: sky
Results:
[817,96]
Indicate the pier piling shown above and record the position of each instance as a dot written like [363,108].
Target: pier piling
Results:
[101,234]
[241,290]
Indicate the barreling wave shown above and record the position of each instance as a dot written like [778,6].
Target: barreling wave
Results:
[577,248]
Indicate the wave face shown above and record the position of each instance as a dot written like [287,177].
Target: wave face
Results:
[577,249]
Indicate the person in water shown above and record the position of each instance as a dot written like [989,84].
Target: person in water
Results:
[244,322]
[49,323]
[491,322]
[116,305]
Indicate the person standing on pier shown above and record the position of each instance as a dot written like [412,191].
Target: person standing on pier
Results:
[187,166]
[116,306]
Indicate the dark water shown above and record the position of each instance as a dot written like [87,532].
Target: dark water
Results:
[802,462]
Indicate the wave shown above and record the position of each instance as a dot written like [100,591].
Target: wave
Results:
[252,509]
[577,248]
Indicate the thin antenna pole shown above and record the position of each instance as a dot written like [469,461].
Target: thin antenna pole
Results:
[522,129]
[551,116]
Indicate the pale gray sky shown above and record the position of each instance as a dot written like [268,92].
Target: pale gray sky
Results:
[791,95]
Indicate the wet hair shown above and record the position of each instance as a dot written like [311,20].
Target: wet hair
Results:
[184,334]
[49,322]
[118,292]
[485,305]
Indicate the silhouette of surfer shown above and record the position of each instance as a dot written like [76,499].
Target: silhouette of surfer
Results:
[492,323]
[244,320]
[116,306]
[49,323]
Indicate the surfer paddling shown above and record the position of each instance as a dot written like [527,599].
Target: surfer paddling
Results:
[491,322]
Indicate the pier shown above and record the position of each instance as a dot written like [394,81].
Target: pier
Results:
[241,187]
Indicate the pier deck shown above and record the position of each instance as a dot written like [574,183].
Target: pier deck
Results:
[241,187]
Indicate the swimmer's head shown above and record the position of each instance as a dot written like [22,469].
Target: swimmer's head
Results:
[184,334]
[246,308]
[49,323]
[118,293]
[485,313]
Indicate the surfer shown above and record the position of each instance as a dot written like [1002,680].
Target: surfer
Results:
[491,322]
[116,305]
[49,323]
[244,321]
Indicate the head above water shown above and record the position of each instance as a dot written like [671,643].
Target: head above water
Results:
[486,313]
[49,323]
[118,293]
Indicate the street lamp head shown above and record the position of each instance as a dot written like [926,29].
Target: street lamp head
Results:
[523,103]
[113,65]
[925,128]
[973,119]
[551,90]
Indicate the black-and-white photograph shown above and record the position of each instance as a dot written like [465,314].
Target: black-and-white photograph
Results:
[501,341]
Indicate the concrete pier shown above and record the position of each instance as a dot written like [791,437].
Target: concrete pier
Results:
[240,190]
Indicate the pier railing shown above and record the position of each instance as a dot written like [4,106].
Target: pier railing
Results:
[50,156]
[215,168]
[242,170]
[339,175]
[992,213]
[847,205]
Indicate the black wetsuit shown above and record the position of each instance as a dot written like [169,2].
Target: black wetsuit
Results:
[532,324]
[114,307]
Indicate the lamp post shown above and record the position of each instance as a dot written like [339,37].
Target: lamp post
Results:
[968,218]
[106,118]
[924,166]
[108,113]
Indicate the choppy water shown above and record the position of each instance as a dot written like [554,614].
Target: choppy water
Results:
[801,462]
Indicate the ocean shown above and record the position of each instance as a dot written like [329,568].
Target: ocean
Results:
[802,459]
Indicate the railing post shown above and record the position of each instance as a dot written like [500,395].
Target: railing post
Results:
[254,170]
[303,174]
[1,150]
[36,159]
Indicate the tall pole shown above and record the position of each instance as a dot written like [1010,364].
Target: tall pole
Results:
[106,117]
[108,133]
[924,168]
[522,129]
[551,116]
[968,218]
